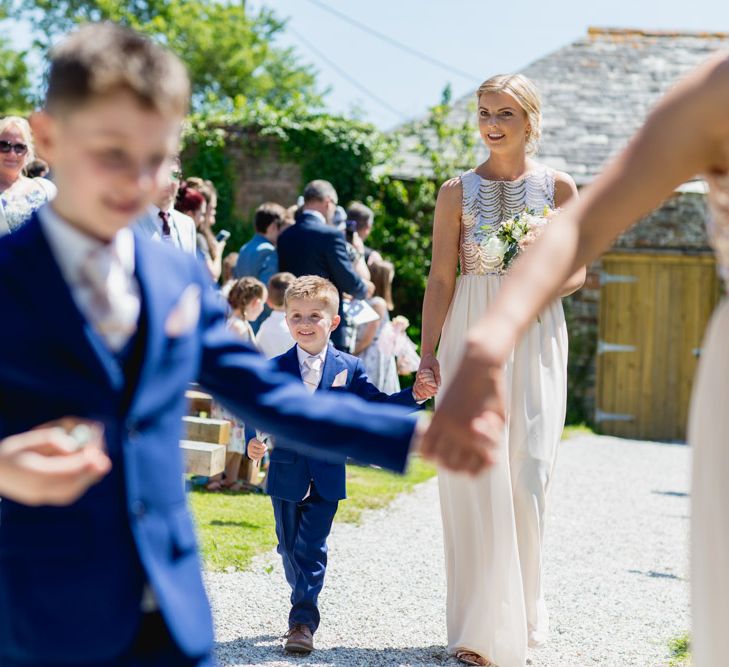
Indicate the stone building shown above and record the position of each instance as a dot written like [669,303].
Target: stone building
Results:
[633,349]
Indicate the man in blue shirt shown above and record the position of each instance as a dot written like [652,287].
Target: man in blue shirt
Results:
[258,257]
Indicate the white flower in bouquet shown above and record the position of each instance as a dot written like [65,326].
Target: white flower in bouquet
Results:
[494,250]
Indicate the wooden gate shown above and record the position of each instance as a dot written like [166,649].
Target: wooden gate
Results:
[654,309]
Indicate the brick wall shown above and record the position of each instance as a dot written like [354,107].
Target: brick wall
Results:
[261,171]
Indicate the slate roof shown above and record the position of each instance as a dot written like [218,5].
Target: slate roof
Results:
[596,92]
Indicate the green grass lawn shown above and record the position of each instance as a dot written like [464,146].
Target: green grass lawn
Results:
[576,429]
[234,527]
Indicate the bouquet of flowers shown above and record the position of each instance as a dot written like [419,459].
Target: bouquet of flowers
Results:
[513,236]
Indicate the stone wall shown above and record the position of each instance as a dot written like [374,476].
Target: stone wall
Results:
[678,225]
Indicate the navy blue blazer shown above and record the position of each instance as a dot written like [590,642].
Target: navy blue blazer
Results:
[71,578]
[290,472]
[311,248]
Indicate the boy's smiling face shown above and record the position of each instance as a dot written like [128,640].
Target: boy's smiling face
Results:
[311,322]
[110,159]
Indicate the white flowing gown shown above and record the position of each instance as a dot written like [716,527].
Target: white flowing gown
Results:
[709,438]
[493,524]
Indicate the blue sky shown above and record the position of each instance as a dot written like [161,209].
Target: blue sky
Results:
[478,38]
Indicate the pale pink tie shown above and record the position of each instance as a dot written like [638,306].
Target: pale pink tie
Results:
[311,375]
[114,311]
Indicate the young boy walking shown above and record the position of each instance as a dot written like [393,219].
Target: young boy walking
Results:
[305,492]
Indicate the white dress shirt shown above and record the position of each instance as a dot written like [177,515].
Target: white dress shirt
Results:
[116,283]
[274,337]
[183,234]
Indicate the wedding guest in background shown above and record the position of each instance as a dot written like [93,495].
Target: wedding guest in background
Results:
[246,298]
[226,277]
[364,218]
[292,212]
[305,493]
[162,222]
[19,195]
[258,257]
[356,250]
[379,364]
[209,248]
[313,247]
[274,337]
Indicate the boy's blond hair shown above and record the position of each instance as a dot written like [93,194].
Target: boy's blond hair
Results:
[313,288]
[103,58]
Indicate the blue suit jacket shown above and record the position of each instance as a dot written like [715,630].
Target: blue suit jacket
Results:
[71,577]
[290,472]
[257,258]
[312,248]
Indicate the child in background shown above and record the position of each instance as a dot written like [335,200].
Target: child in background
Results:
[246,298]
[305,492]
[274,337]
[379,364]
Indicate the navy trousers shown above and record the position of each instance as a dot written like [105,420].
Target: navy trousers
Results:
[302,528]
[153,647]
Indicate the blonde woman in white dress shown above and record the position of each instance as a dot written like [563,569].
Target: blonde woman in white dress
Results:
[493,523]
[687,134]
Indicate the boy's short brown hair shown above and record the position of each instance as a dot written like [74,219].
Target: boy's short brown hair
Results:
[102,58]
[278,283]
[267,214]
[313,288]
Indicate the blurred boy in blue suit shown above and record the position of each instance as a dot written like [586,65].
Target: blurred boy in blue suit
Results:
[305,492]
[111,327]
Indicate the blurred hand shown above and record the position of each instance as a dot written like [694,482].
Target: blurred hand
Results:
[47,466]
[468,424]
[256,449]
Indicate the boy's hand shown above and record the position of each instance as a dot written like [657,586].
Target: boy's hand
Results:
[47,466]
[256,449]
[425,386]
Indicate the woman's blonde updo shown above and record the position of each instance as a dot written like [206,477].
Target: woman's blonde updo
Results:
[525,93]
[24,127]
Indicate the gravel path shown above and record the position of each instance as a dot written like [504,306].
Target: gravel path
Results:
[616,568]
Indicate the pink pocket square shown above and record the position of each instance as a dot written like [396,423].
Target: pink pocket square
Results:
[341,379]
[185,314]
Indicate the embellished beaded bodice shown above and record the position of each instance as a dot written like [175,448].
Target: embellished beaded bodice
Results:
[486,204]
[718,226]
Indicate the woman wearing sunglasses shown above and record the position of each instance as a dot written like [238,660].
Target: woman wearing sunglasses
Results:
[19,195]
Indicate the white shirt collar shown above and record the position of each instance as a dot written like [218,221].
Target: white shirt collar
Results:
[316,214]
[303,355]
[70,246]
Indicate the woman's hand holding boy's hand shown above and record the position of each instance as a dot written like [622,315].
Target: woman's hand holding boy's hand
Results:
[425,386]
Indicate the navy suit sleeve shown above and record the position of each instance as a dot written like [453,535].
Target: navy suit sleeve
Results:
[341,269]
[362,387]
[327,427]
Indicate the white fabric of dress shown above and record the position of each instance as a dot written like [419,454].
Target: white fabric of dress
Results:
[708,434]
[493,523]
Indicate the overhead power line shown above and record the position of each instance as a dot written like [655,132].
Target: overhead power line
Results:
[346,75]
[393,42]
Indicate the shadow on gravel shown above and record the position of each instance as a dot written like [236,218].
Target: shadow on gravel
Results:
[675,494]
[267,648]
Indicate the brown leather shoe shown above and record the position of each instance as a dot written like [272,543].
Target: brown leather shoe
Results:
[299,639]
